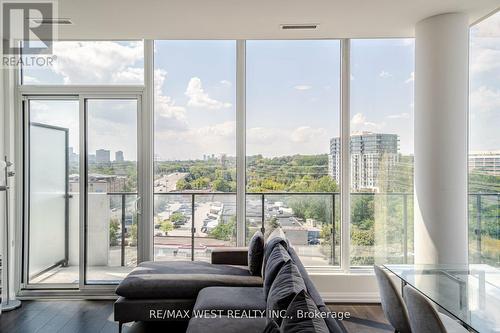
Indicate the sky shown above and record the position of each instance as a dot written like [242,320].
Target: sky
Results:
[292,93]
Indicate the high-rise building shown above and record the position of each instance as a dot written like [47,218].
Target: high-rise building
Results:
[485,161]
[72,156]
[370,154]
[102,156]
[119,156]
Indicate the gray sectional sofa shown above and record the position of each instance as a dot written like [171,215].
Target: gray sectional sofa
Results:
[166,290]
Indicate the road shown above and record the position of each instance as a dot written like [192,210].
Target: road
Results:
[168,183]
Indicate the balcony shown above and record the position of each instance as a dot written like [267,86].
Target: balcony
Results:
[187,226]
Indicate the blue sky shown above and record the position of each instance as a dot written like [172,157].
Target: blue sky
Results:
[292,92]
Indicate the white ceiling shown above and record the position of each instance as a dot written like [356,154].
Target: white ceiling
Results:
[254,19]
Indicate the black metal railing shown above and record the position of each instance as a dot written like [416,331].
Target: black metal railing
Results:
[476,215]
[484,224]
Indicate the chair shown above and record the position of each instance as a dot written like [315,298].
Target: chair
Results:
[392,303]
[423,316]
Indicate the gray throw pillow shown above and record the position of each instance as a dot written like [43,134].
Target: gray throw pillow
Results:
[256,253]
[286,285]
[302,316]
[276,237]
[279,256]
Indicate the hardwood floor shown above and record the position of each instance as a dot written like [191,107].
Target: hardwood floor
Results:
[364,318]
[97,316]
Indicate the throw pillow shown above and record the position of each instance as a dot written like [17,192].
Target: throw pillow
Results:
[278,257]
[301,316]
[286,285]
[256,253]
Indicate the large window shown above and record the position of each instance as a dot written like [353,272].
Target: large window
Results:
[381,148]
[484,143]
[292,114]
[195,148]
[94,110]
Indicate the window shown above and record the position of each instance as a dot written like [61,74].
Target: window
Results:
[381,148]
[484,143]
[292,114]
[90,63]
[195,148]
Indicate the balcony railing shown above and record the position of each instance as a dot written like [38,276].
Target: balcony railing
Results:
[312,220]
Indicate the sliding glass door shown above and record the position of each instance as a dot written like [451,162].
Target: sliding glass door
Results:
[111,181]
[81,189]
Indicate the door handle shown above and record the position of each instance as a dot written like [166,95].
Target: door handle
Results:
[138,205]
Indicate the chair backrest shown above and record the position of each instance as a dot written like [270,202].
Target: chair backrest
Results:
[423,316]
[392,303]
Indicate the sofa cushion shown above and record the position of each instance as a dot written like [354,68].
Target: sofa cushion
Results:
[275,238]
[271,327]
[226,325]
[286,285]
[295,321]
[256,253]
[230,298]
[182,279]
[278,257]
[310,287]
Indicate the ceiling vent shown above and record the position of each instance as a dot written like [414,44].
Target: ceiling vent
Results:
[51,21]
[309,26]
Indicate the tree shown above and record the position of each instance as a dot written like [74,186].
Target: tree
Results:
[182,184]
[114,226]
[166,226]
[177,217]
[200,183]
[221,185]
[225,231]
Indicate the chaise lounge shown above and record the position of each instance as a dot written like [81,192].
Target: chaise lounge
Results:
[232,282]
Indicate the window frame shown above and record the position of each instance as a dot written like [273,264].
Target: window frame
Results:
[145,94]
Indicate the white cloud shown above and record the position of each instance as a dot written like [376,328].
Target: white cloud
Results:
[225,130]
[302,87]
[274,141]
[226,83]
[359,123]
[385,75]
[200,99]
[489,27]
[305,134]
[168,115]
[262,135]
[404,115]
[98,62]
[411,78]
[485,99]
[30,79]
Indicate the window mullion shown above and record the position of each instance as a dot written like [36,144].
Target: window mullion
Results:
[240,142]
[345,174]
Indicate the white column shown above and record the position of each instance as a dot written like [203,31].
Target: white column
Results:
[441,119]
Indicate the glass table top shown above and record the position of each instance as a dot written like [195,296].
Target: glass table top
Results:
[470,293]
